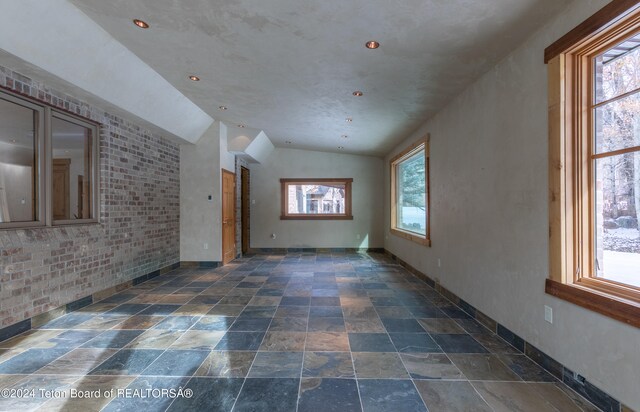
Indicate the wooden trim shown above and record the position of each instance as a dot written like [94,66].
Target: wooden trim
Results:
[406,152]
[602,19]
[422,144]
[44,103]
[572,177]
[618,308]
[616,152]
[412,237]
[245,209]
[612,287]
[316,180]
[347,215]
[233,213]
[559,175]
[316,217]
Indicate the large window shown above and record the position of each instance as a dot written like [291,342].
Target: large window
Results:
[594,115]
[48,167]
[410,193]
[320,199]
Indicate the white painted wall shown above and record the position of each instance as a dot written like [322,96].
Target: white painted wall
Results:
[291,163]
[199,217]
[490,216]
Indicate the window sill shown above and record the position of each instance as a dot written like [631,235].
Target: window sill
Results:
[54,226]
[317,217]
[412,237]
[591,294]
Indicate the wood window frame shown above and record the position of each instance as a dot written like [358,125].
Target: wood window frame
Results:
[43,190]
[421,144]
[39,181]
[571,181]
[285,215]
[91,164]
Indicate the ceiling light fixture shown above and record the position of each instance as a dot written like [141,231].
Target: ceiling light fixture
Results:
[241,126]
[141,24]
[340,147]
[358,93]
[194,78]
[222,108]
[13,140]
[344,136]
[287,142]
[348,119]
[372,45]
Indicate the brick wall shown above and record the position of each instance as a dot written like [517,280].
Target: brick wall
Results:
[44,268]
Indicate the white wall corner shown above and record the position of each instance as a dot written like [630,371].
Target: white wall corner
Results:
[252,145]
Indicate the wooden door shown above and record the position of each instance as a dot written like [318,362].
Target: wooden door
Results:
[245,209]
[228,216]
[61,197]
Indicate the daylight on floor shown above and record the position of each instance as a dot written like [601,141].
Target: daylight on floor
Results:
[320,206]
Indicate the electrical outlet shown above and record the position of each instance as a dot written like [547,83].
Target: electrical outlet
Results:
[439,263]
[548,314]
[205,246]
[253,202]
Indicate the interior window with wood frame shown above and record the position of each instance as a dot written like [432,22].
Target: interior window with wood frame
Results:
[410,193]
[48,165]
[594,144]
[316,199]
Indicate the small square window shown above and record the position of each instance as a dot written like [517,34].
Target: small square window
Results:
[316,199]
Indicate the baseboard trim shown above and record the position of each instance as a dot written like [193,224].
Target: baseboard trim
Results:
[25,325]
[200,264]
[284,251]
[576,382]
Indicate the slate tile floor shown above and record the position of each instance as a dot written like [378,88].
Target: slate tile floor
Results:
[296,332]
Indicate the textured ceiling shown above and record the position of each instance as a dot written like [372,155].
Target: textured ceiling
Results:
[289,67]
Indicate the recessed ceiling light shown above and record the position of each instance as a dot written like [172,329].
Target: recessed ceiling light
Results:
[344,136]
[194,78]
[348,119]
[241,126]
[372,44]
[223,108]
[141,24]
[340,147]
[358,93]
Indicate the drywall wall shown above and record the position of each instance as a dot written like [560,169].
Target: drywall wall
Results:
[200,177]
[291,163]
[200,233]
[490,215]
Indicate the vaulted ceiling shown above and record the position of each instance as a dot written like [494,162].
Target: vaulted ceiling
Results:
[289,67]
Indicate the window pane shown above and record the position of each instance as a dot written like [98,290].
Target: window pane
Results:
[71,171]
[617,206]
[411,192]
[18,165]
[618,124]
[618,70]
[316,199]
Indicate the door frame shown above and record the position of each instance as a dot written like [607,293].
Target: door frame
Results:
[233,210]
[64,163]
[245,208]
